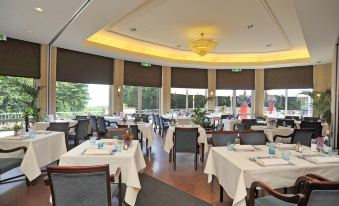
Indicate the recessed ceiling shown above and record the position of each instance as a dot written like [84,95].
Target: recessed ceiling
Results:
[284,32]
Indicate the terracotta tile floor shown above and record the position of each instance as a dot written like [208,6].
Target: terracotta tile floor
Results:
[185,178]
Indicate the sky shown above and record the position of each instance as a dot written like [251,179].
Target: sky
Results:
[99,95]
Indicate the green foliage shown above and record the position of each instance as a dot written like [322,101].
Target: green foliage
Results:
[131,96]
[150,98]
[224,101]
[178,101]
[71,97]
[198,115]
[321,103]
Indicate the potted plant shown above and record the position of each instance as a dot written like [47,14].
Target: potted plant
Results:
[198,116]
[16,129]
[128,138]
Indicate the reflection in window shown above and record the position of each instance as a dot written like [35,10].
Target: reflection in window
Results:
[187,98]
[224,101]
[243,103]
[150,100]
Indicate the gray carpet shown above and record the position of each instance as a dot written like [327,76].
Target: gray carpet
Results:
[155,192]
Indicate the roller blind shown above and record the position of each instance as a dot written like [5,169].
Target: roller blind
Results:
[289,78]
[189,78]
[226,79]
[137,75]
[79,67]
[19,58]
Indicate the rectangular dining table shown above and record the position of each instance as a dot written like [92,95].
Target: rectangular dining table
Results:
[236,170]
[45,148]
[130,161]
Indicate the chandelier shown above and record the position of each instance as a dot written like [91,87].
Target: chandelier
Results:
[203,45]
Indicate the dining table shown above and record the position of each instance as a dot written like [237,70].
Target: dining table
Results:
[236,170]
[42,149]
[130,161]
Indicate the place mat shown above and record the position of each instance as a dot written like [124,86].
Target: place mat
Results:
[325,159]
[96,151]
[267,161]
[243,148]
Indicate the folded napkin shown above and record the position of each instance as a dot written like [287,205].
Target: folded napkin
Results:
[243,148]
[271,161]
[96,151]
[285,146]
[325,159]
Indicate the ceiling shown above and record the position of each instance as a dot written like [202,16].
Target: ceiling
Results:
[284,32]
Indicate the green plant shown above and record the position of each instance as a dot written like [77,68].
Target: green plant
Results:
[321,103]
[17,126]
[198,115]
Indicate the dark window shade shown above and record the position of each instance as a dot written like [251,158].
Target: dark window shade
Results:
[189,78]
[289,78]
[226,79]
[137,75]
[19,58]
[73,66]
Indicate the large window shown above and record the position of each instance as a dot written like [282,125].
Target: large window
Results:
[81,99]
[145,98]
[150,100]
[224,101]
[291,102]
[243,103]
[187,98]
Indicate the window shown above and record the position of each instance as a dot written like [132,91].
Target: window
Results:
[243,103]
[187,98]
[178,98]
[130,99]
[296,104]
[150,100]
[81,99]
[224,101]
[145,98]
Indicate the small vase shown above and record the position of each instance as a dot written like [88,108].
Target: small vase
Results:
[127,144]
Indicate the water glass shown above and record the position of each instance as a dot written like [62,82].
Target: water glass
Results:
[271,149]
[286,155]
[92,140]
[100,144]
[313,145]
[230,146]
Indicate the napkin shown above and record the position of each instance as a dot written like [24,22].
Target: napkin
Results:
[271,161]
[285,146]
[243,148]
[325,159]
[96,151]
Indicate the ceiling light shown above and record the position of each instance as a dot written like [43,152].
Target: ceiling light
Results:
[28,31]
[133,29]
[250,26]
[202,45]
[39,9]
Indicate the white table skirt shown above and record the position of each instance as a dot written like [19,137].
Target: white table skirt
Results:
[41,151]
[270,133]
[235,172]
[130,161]
[229,124]
[148,132]
[169,138]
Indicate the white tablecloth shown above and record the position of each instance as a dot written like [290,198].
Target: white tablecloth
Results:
[41,151]
[148,132]
[183,120]
[324,129]
[45,125]
[235,172]
[130,161]
[229,124]
[271,132]
[169,138]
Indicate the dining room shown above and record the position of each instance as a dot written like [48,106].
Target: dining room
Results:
[173,103]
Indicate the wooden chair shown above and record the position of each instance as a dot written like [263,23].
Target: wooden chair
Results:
[221,138]
[253,138]
[93,123]
[81,132]
[288,122]
[318,128]
[8,163]
[163,126]
[186,141]
[60,127]
[303,136]
[78,186]
[312,190]
[145,118]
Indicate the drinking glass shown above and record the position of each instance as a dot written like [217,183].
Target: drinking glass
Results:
[100,144]
[230,146]
[286,155]
[284,123]
[271,149]
[237,141]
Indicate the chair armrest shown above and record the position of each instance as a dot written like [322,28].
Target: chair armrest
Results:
[74,126]
[117,174]
[295,199]
[13,150]
[281,136]
[317,177]
[47,181]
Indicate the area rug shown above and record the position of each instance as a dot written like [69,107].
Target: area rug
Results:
[155,192]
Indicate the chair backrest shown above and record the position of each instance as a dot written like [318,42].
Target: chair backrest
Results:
[186,139]
[161,122]
[60,127]
[80,117]
[249,121]
[219,127]
[226,116]
[303,136]
[101,125]
[222,138]
[70,185]
[122,125]
[116,132]
[145,118]
[288,122]
[313,125]
[253,138]
[157,119]
[324,193]
[310,119]
[82,129]
[241,127]
[135,131]
[93,123]
[153,119]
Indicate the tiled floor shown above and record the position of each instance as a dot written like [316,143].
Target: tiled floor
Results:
[185,178]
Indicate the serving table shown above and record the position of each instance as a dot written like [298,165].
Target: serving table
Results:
[42,150]
[130,161]
[236,170]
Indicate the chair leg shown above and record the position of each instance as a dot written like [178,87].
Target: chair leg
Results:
[147,147]
[221,193]
[202,152]
[175,159]
[170,156]
[196,161]
[28,183]
[120,191]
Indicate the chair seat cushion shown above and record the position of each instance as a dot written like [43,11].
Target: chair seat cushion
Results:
[7,164]
[270,201]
